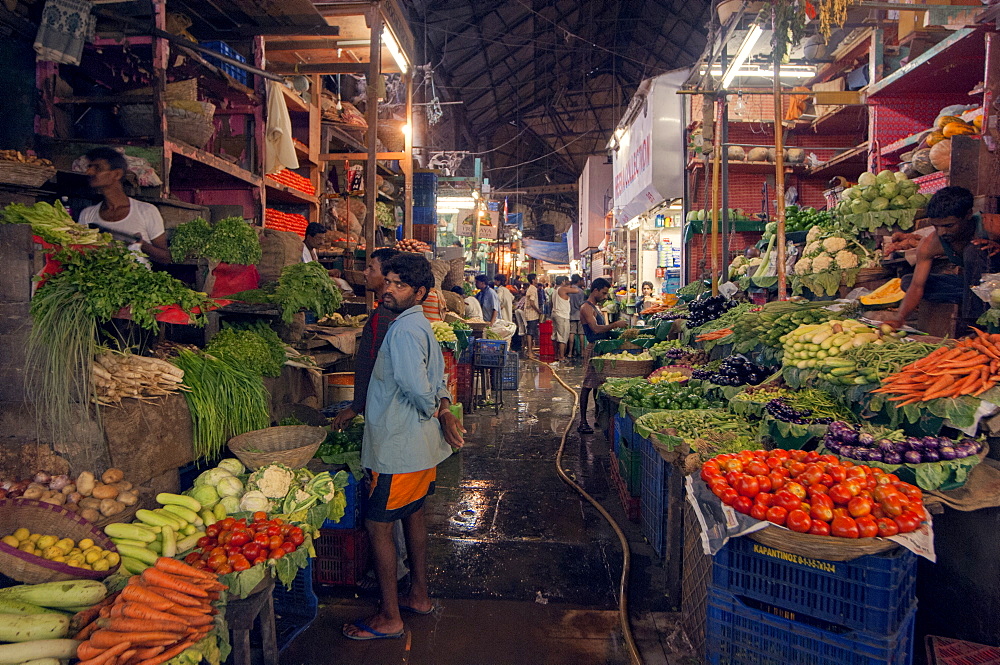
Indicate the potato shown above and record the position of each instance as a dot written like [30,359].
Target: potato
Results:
[111,507]
[69,505]
[90,502]
[90,515]
[122,485]
[129,497]
[113,475]
[35,493]
[85,483]
[55,498]
[105,491]
[68,489]
[74,497]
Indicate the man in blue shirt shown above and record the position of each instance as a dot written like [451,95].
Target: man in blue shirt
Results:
[404,442]
[487,298]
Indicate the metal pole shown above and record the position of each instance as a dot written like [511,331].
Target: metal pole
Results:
[375,55]
[724,156]
[407,162]
[716,168]
[779,176]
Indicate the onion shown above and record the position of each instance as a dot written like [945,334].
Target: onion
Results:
[42,478]
[913,457]
[58,482]
[947,452]
[931,455]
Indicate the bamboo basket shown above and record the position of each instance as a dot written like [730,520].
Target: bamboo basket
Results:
[607,368]
[827,548]
[46,519]
[26,175]
[291,445]
[192,128]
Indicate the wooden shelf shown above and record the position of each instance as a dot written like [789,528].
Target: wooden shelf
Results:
[851,162]
[897,148]
[302,152]
[279,192]
[752,167]
[208,159]
[343,135]
[843,120]
[295,103]
[953,66]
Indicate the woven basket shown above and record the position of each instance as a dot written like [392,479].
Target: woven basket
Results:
[292,445]
[827,548]
[390,133]
[192,128]
[46,519]
[607,368]
[27,175]
[186,91]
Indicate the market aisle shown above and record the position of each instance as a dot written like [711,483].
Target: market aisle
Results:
[524,570]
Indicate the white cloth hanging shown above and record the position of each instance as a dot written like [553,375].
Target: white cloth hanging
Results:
[279,151]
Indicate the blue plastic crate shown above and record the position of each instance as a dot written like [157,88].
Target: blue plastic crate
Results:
[294,609]
[652,496]
[511,372]
[630,467]
[352,513]
[489,352]
[872,593]
[621,439]
[225,49]
[741,635]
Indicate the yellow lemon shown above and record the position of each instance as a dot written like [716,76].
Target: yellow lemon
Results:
[22,534]
[85,544]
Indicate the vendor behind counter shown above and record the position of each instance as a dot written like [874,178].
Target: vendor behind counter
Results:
[960,237]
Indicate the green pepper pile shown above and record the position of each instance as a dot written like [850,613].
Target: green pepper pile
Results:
[666,396]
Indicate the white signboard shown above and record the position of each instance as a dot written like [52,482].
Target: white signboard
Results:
[633,161]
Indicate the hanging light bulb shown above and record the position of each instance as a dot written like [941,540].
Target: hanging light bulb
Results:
[740,107]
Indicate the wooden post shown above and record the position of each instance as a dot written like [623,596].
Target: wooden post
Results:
[407,163]
[315,138]
[779,179]
[375,69]
[716,168]
[158,81]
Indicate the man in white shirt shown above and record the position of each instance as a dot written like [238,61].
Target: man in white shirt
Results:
[532,313]
[560,315]
[134,222]
[314,239]
[504,297]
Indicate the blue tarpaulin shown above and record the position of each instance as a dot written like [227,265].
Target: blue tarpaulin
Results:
[552,252]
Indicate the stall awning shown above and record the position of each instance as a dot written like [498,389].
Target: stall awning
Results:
[552,252]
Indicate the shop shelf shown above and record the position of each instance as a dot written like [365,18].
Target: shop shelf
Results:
[341,556]
[279,192]
[295,608]
[952,66]
[222,48]
[850,163]
[872,593]
[932,182]
[843,120]
[353,510]
[742,635]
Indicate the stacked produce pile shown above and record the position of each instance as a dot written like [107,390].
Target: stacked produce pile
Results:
[804,219]
[411,245]
[301,286]
[708,309]
[706,432]
[734,371]
[828,260]
[83,554]
[813,493]
[338,320]
[339,443]
[814,345]
[971,367]
[21,158]
[875,193]
[444,333]
[52,223]
[667,375]
[776,319]
[254,347]
[933,152]
[293,180]
[231,240]
[666,395]
[94,499]
[806,407]
[285,221]
[119,375]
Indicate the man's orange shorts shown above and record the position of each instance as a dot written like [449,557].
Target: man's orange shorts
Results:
[393,496]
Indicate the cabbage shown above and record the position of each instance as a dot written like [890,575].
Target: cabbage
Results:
[900,177]
[885,176]
[229,486]
[869,193]
[880,203]
[917,201]
[212,477]
[205,495]
[908,188]
[232,465]
[889,190]
[231,504]
[852,192]
[867,179]
[253,501]
[859,206]
[899,202]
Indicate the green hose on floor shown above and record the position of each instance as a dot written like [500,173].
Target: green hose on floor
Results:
[623,615]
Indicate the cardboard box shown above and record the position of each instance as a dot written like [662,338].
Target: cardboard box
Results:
[820,90]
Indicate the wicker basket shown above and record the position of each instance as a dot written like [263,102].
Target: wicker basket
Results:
[390,133]
[827,548]
[292,445]
[607,367]
[192,128]
[27,175]
[46,519]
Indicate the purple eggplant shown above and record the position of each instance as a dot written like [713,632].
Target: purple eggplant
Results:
[977,446]
[848,451]
[912,457]
[931,456]
[915,443]
[947,452]
[900,447]
[931,443]
[892,458]
[964,449]
[886,446]
[874,455]
[866,440]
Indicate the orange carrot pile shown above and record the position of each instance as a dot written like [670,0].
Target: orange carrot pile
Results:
[715,334]
[158,615]
[971,367]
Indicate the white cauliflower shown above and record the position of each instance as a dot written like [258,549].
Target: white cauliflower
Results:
[846,259]
[741,271]
[274,480]
[813,234]
[755,261]
[803,266]
[822,263]
[834,244]
[813,248]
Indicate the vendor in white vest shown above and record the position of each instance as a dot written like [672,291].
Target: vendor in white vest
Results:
[137,223]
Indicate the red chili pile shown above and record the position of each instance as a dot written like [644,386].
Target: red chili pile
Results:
[236,544]
[818,494]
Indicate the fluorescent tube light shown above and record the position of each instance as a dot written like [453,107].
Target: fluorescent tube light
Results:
[746,48]
[390,43]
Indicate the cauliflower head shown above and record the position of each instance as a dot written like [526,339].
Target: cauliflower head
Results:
[822,263]
[273,480]
[813,234]
[803,266]
[834,244]
[755,261]
[813,248]
[845,259]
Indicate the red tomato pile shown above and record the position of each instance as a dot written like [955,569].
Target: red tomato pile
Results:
[235,544]
[285,221]
[293,180]
[812,493]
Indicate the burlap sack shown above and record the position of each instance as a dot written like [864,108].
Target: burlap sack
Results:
[455,303]
[456,274]
[440,269]
[277,250]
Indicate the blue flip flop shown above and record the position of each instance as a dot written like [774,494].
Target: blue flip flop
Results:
[375,635]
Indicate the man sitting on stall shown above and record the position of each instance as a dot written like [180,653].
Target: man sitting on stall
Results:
[958,236]
[137,223]
[314,240]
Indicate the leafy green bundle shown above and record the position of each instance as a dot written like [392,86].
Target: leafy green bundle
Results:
[306,286]
[52,224]
[189,240]
[255,347]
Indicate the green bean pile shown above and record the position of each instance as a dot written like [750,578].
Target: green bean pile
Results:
[880,360]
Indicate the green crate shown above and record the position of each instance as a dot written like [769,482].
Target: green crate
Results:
[630,465]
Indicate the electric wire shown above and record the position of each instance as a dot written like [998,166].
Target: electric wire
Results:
[554,152]
[623,614]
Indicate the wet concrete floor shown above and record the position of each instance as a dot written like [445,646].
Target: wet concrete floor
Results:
[524,570]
